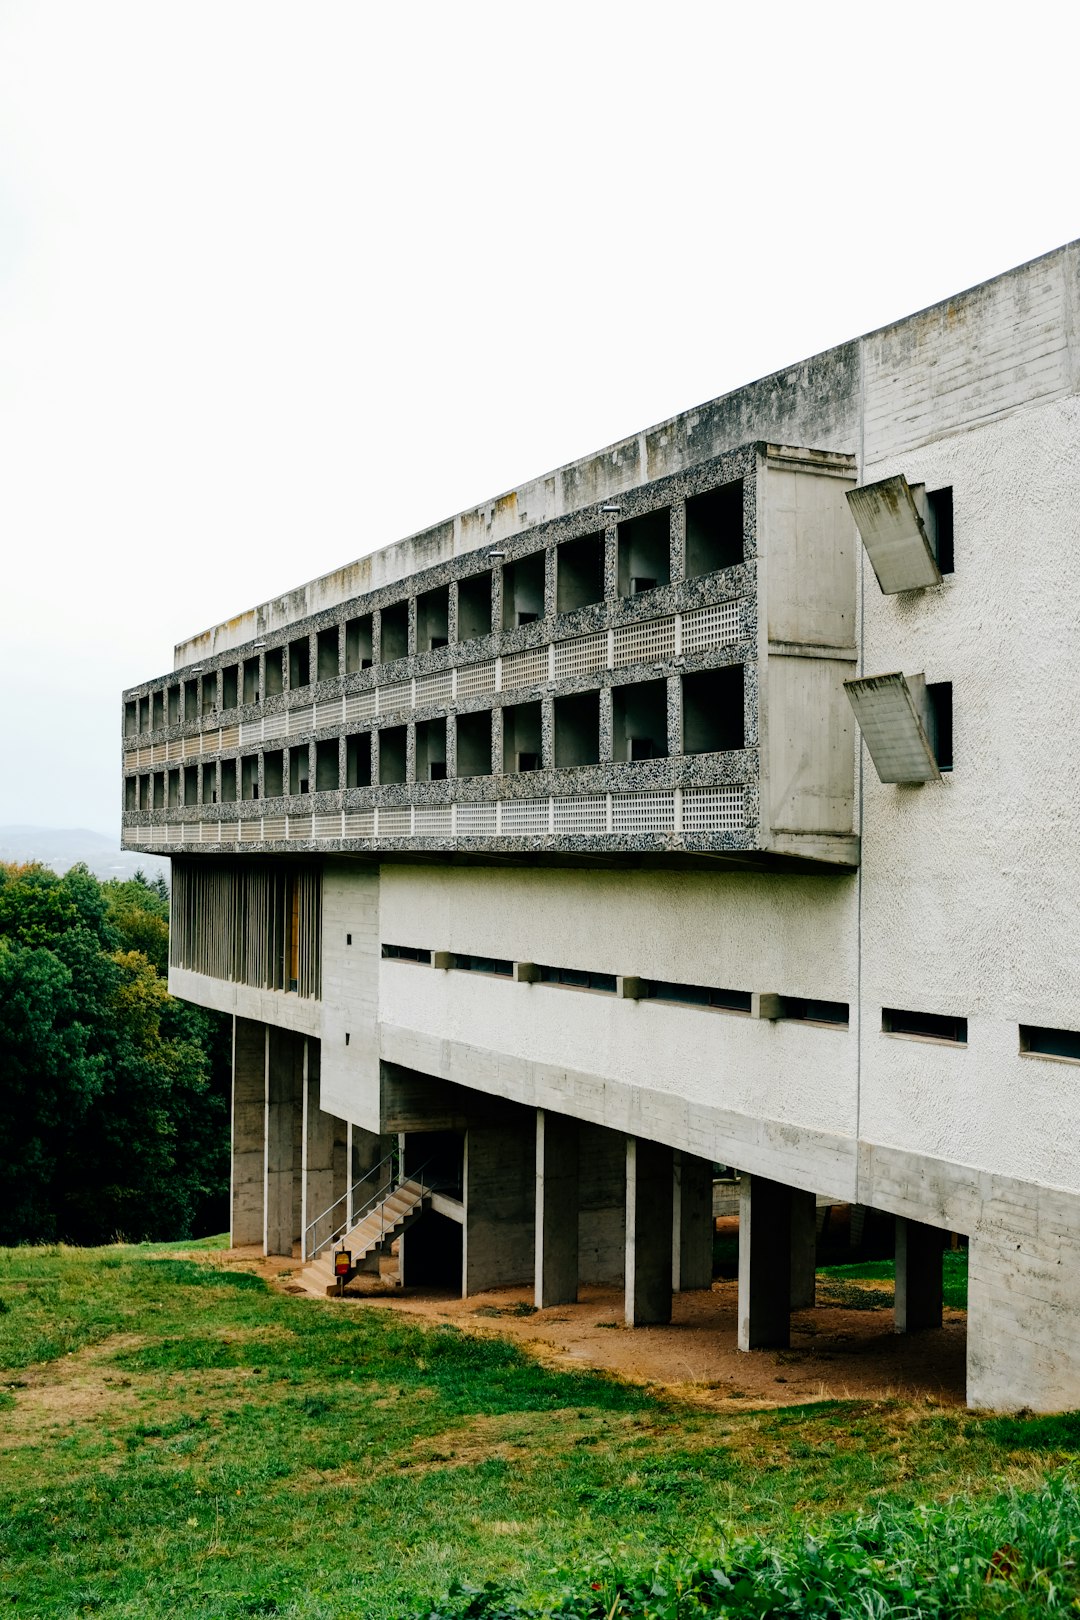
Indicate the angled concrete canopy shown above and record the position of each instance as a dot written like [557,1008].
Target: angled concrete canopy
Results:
[894,535]
[888,717]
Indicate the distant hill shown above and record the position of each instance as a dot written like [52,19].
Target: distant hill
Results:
[62,847]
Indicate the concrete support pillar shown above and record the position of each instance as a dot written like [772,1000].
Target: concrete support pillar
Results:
[498,1247]
[803,1249]
[692,1237]
[247,1203]
[918,1275]
[324,1205]
[557,1216]
[649,1180]
[601,1205]
[284,1140]
[764,1264]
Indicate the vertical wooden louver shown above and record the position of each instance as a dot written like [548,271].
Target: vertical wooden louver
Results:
[252,923]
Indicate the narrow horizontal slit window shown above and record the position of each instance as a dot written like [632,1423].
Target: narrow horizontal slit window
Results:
[465,963]
[406,953]
[813,1011]
[930,1026]
[578,979]
[695,995]
[1058,1043]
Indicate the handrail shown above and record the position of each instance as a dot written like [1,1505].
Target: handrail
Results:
[311,1248]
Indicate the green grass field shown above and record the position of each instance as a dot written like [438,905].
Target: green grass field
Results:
[178,1440]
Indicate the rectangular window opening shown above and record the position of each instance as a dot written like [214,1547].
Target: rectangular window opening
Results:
[249,777]
[326,654]
[640,720]
[131,719]
[474,607]
[712,710]
[131,793]
[695,995]
[358,644]
[940,503]
[395,632]
[474,743]
[191,703]
[208,693]
[523,590]
[645,552]
[327,774]
[577,729]
[393,747]
[578,979]
[714,530]
[358,760]
[522,737]
[431,750]
[928,1026]
[228,781]
[158,713]
[939,700]
[813,1011]
[274,773]
[482,964]
[579,572]
[230,687]
[1057,1043]
[299,663]
[433,619]
[406,953]
[251,680]
[275,667]
[299,768]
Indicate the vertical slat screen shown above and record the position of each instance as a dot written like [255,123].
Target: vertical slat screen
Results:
[251,924]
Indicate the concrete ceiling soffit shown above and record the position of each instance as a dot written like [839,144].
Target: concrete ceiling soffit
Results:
[894,534]
[887,710]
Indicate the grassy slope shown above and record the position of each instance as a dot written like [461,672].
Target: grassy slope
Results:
[237,1452]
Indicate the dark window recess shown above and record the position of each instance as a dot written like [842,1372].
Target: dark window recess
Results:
[299,768]
[358,760]
[275,681]
[174,705]
[158,710]
[579,572]
[299,662]
[327,653]
[395,632]
[712,710]
[131,793]
[523,590]
[358,644]
[645,552]
[1061,1043]
[228,781]
[393,744]
[326,766]
[576,979]
[433,619]
[714,529]
[522,739]
[640,720]
[431,750]
[474,743]
[229,687]
[577,729]
[941,511]
[940,712]
[251,680]
[131,719]
[814,1012]
[406,953]
[274,774]
[474,607]
[934,1026]
[695,995]
[482,964]
[191,705]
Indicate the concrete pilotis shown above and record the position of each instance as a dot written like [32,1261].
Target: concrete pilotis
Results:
[284,1140]
[692,1239]
[649,1179]
[556,1281]
[764,1264]
[323,1185]
[803,1249]
[918,1275]
[247,1201]
[601,1205]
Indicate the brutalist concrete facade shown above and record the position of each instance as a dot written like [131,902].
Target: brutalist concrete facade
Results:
[548,833]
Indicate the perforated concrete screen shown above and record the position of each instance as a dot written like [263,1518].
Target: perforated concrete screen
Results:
[894,535]
[892,731]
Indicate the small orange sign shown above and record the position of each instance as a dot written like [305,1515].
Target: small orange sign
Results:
[342,1263]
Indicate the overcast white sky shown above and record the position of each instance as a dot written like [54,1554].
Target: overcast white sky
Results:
[282,283]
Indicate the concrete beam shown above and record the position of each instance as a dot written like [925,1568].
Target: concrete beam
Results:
[247,1205]
[918,1275]
[649,1180]
[557,1214]
[764,1264]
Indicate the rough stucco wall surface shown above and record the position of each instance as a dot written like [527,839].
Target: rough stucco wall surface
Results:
[971,887]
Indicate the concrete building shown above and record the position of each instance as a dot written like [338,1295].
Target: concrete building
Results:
[710,799]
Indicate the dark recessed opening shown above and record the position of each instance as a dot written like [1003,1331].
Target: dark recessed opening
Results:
[430,750]
[712,710]
[190,784]
[157,709]
[522,737]
[934,1026]
[482,964]
[578,979]
[1059,1043]
[406,953]
[579,572]
[172,789]
[714,529]
[230,686]
[158,786]
[474,607]
[174,705]
[358,760]
[940,707]
[208,692]
[814,1011]
[274,773]
[395,632]
[228,781]
[358,654]
[393,743]
[433,619]
[299,769]
[299,662]
[326,645]
[523,590]
[645,552]
[191,705]
[131,793]
[251,680]
[695,995]
[275,681]
[640,720]
[577,729]
[327,774]
[145,793]
[131,718]
[249,777]
[474,743]
[144,707]
[209,786]
[940,502]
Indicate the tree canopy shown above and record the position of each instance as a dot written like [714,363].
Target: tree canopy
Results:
[113,1095]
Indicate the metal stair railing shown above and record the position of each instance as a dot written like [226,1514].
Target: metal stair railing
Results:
[313,1246]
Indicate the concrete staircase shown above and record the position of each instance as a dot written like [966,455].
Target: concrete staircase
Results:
[372,1234]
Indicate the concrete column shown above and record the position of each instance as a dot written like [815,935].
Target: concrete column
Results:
[601,1205]
[1023,1324]
[556,1209]
[803,1249]
[649,1180]
[284,1140]
[323,1184]
[500,1204]
[918,1275]
[247,1203]
[764,1263]
[692,1237]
